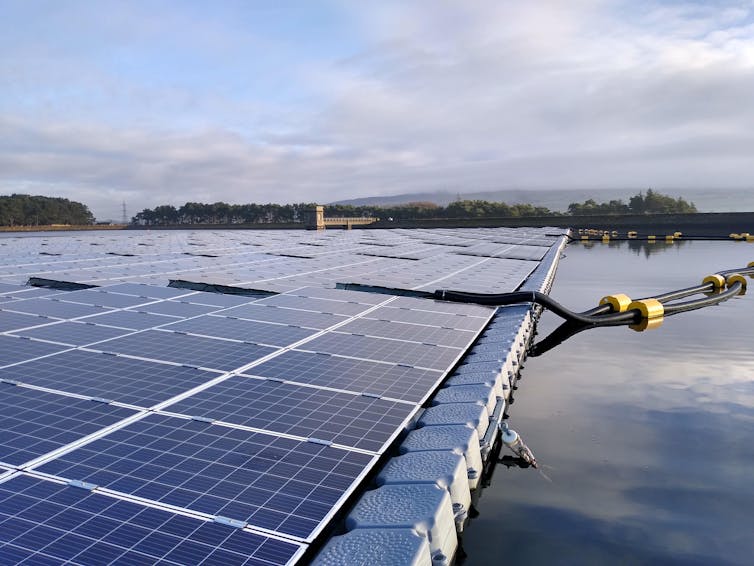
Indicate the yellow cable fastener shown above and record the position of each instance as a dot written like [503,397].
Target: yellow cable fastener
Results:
[718,281]
[737,277]
[646,324]
[632,234]
[677,234]
[619,302]
[649,308]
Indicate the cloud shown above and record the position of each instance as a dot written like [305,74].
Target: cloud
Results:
[185,104]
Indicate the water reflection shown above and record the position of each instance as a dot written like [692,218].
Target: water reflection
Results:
[639,247]
[649,437]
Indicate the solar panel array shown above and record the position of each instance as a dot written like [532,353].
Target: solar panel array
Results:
[141,423]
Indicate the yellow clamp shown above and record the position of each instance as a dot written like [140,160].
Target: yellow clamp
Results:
[632,234]
[677,234]
[718,281]
[737,277]
[735,236]
[669,238]
[646,324]
[649,308]
[619,302]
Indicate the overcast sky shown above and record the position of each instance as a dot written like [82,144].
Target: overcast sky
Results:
[156,102]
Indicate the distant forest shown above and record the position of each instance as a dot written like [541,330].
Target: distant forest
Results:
[26,210]
[651,202]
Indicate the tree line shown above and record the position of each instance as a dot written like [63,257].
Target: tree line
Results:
[651,202]
[27,210]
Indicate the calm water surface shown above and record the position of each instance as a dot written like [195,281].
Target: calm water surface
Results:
[648,437]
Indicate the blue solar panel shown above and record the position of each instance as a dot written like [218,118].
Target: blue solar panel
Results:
[240,329]
[134,320]
[342,418]
[56,308]
[285,316]
[13,321]
[102,298]
[276,483]
[429,318]
[318,305]
[385,350]
[140,290]
[360,376]
[178,308]
[14,349]
[127,380]
[220,300]
[73,333]
[411,332]
[33,423]
[42,522]
[198,351]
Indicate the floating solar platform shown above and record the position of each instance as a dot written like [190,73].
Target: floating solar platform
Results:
[154,424]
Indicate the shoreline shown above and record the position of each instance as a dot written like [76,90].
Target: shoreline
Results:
[700,224]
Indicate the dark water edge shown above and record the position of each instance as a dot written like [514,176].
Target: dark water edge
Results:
[648,437]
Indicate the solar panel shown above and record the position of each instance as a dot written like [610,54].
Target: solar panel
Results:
[10,321]
[103,298]
[343,418]
[134,320]
[240,329]
[55,308]
[33,423]
[271,482]
[73,333]
[428,318]
[94,374]
[46,522]
[314,304]
[223,355]
[285,316]
[385,350]
[15,349]
[177,308]
[359,376]
[412,332]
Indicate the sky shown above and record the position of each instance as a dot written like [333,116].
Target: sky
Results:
[165,102]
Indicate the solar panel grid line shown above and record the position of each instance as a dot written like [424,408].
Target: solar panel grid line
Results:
[83,526]
[53,454]
[260,430]
[255,363]
[24,359]
[329,473]
[36,422]
[344,418]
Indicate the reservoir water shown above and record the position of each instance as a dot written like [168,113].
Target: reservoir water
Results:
[647,437]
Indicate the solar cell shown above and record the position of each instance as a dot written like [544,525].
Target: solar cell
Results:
[73,333]
[58,309]
[240,329]
[33,423]
[127,380]
[339,295]
[43,522]
[220,300]
[385,350]
[294,317]
[177,308]
[360,376]
[428,318]
[412,332]
[133,320]
[141,290]
[14,321]
[318,305]
[102,298]
[14,349]
[343,418]
[199,351]
[270,482]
